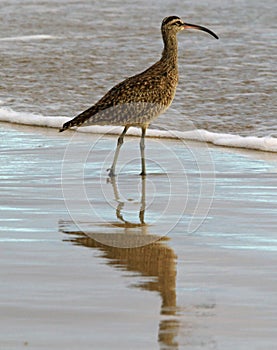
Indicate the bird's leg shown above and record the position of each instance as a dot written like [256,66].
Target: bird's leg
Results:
[119,144]
[143,201]
[142,147]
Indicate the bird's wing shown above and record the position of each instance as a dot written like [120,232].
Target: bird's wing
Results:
[128,102]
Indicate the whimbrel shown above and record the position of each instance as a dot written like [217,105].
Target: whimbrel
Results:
[138,100]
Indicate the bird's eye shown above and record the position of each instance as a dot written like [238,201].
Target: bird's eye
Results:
[178,23]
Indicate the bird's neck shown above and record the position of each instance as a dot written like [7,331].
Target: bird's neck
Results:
[170,52]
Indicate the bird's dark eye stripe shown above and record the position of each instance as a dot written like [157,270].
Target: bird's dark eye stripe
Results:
[179,23]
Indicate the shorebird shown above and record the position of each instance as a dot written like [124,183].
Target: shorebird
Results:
[138,100]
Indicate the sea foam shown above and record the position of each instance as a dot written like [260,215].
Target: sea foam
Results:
[30,37]
[267,144]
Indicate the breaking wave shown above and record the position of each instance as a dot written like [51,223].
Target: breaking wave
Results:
[267,144]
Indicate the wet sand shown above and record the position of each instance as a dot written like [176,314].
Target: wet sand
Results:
[75,268]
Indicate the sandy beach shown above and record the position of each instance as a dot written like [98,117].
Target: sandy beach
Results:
[183,259]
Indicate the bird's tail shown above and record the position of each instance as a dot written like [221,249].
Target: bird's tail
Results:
[65,126]
[80,119]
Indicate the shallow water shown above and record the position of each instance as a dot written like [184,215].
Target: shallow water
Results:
[59,58]
[75,270]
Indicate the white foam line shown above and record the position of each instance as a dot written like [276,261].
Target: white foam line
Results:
[10,116]
[30,37]
[268,144]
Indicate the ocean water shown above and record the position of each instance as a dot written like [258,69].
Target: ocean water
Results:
[58,58]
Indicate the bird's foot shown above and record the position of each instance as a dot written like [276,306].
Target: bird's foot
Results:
[111,172]
[143,173]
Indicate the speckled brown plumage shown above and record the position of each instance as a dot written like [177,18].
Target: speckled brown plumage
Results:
[141,98]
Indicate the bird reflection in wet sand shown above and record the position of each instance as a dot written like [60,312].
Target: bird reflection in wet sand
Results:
[155,262]
[121,204]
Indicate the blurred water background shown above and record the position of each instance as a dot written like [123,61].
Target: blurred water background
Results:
[58,58]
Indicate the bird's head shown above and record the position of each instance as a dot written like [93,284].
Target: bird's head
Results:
[174,24]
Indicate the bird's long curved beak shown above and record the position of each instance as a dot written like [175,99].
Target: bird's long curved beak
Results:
[204,29]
